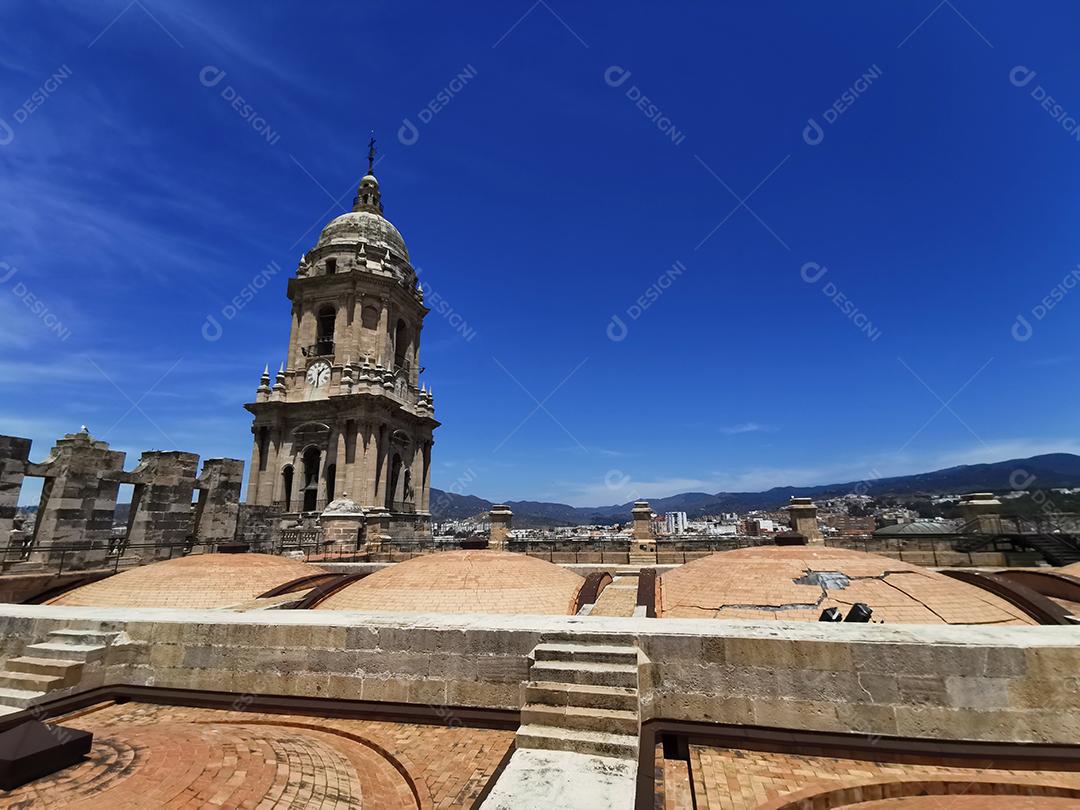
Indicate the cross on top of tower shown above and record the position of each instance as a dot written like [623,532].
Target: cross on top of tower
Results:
[368,197]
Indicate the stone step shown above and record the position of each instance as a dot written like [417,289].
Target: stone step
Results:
[19,698]
[592,653]
[69,670]
[66,652]
[581,695]
[72,636]
[610,721]
[30,681]
[585,673]
[607,639]
[9,710]
[594,743]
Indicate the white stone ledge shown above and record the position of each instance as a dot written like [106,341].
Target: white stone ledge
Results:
[950,635]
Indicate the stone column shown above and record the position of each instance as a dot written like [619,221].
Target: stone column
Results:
[306,332]
[501,518]
[642,514]
[414,375]
[161,520]
[79,502]
[644,538]
[426,499]
[382,447]
[291,361]
[981,513]
[14,456]
[329,454]
[362,486]
[341,333]
[802,513]
[378,528]
[337,455]
[268,477]
[297,476]
[356,346]
[219,501]
[253,468]
[384,351]
[343,524]
[284,456]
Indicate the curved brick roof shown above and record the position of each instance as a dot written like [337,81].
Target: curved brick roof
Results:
[760,583]
[198,581]
[463,582]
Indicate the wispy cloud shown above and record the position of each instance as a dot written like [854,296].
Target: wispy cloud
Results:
[747,427]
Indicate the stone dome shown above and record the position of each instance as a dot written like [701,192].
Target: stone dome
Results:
[464,582]
[194,582]
[917,528]
[796,583]
[354,227]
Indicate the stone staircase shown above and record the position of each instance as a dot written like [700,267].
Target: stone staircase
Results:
[50,665]
[640,558]
[582,697]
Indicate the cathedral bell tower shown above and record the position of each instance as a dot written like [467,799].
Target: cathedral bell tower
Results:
[346,414]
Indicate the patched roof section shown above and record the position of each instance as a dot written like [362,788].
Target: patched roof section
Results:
[796,583]
[464,582]
[201,581]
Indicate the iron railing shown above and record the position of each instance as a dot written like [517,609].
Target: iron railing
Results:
[58,559]
[320,348]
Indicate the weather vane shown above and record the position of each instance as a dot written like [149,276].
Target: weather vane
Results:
[371,153]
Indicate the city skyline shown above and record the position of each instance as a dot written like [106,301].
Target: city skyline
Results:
[859,268]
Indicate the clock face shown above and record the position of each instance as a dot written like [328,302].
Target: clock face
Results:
[318,374]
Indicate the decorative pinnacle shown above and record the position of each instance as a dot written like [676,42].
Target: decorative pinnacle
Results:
[371,153]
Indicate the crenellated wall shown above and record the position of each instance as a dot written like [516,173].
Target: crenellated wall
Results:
[82,475]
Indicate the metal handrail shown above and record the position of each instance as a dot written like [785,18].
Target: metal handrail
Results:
[320,348]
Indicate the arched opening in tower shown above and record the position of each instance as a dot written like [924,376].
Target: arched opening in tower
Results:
[324,343]
[395,477]
[286,486]
[311,479]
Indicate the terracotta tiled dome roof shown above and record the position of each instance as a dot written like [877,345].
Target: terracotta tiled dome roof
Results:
[464,582]
[796,583]
[198,581]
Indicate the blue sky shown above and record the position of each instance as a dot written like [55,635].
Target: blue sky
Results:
[825,303]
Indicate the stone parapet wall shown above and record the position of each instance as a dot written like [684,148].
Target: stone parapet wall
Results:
[967,683]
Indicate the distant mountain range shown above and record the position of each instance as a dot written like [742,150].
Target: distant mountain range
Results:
[1036,472]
